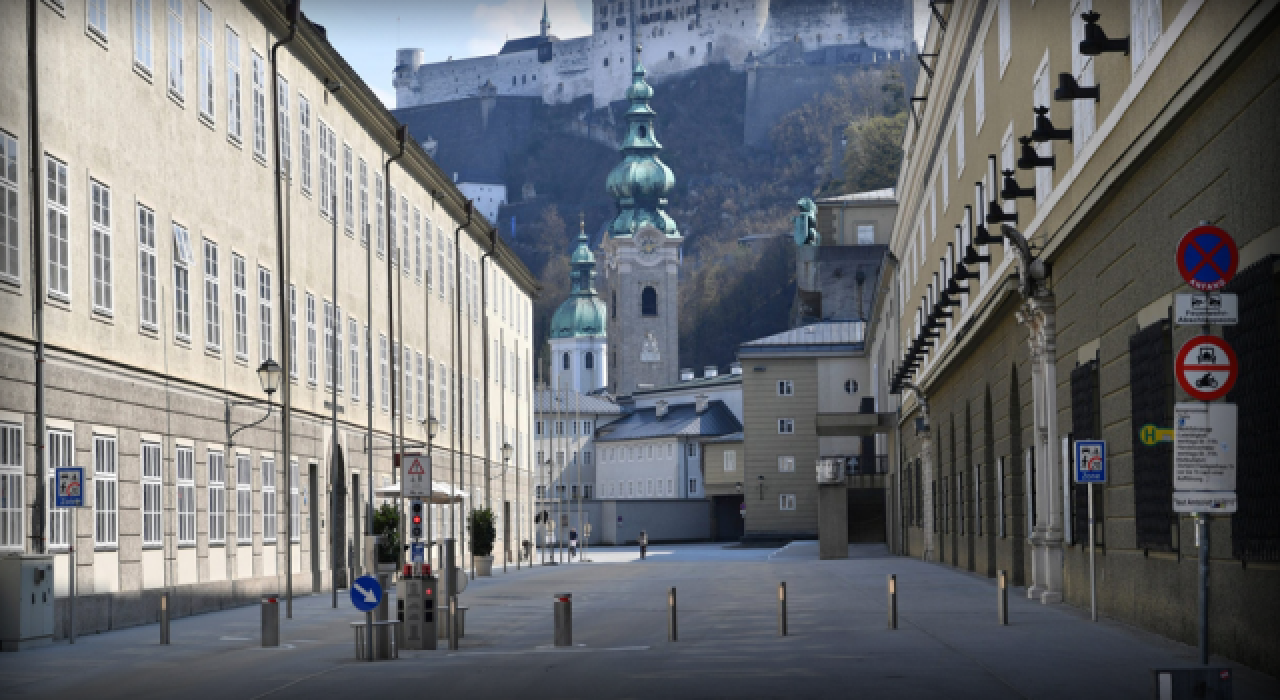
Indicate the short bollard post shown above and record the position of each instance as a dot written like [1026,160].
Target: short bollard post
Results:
[563,614]
[164,617]
[673,633]
[453,623]
[893,601]
[270,622]
[1002,597]
[782,609]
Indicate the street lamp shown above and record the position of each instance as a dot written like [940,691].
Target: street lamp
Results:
[433,427]
[739,487]
[761,482]
[269,375]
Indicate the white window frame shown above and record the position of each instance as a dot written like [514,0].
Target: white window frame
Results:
[244,499]
[212,312]
[235,126]
[338,362]
[786,387]
[326,165]
[363,222]
[786,501]
[204,34]
[182,260]
[378,212]
[293,331]
[12,491]
[240,305]
[385,376]
[106,514]
[786,464]
[270,513]
[959,137]
[151,463]
[60,445]
[1084,113]
[422,389]
[417,245]
[353,334]
[142,57]
[285,136]
[10,236]
[258,104]
[1040,95]
[348,190]
[980,90]
[57,230]
[393,246]
[786,426]
[1005,32]
[330,369]
[266,349]
[312,359]
[295,505]
[1146,26]
[730,461]
[184,462]
[304,142]
[404,235]
[100,247]
[217,496]
[176,81]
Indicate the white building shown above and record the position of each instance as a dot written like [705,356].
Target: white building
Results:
[486,197]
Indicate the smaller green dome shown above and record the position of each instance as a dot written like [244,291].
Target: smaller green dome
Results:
[584,313]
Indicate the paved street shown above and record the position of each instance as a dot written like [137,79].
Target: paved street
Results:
[948,644]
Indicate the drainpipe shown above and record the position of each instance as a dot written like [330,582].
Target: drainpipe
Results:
[37,543]
[484,336]
[292,10]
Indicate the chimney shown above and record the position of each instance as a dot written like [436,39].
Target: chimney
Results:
[701,403]
[710,372]
[660,410]
[686,374]
[735,369]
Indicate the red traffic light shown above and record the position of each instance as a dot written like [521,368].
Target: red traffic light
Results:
[417,520]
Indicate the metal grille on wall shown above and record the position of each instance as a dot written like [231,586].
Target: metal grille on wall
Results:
[1255,531]
[1084,426]
[1151,394]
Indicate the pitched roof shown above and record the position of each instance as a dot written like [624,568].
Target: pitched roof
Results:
[828,333]
[887,194]
[682,420]
[568,400]
[527,43]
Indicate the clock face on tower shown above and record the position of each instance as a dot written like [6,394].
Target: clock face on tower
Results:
[649,242]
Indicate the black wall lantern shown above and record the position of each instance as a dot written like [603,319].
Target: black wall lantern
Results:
[1031,160]
[996,215]
[1012,190]
[962,273]
[1095,40]
[1069,89]
[981,236]
[973,257]
[1044,130]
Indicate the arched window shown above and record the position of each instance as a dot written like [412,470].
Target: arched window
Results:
[589,361]
[566,360]
[649,302]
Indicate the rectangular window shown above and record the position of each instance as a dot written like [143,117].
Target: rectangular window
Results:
[264,315]
[394,247]
[1005,29]
[944,179]
[286,143]
[1084,112]
[182,260]
[204,30]
[212,312]
[380,223]
[152,533]
[979,92]
[422,389]
[61,448]
[1145,26]
[404,236]
[105,477]
[100,238]
[312,370]
[337,346]
[786,426]
[12,500]
[217,498]
[329,364]
[240,305]
[244,499]
[10,237]
[426,255]
[407,384]
[326,185]
[431,387]
[1040,97]
[184,459]
[57,230]
[348,191]
[417,245]
[295,508]
[269,529]
[386,378]
[233,85]
[786,501]
[304,141]
[786,388]
[693,486]
[730,461]
[444,396]
[175,49]
[258,106]
[353,333]
[293,331]
[142,34]
[440,259]
[959,142]
[867,232]
[786,464]
[363,223]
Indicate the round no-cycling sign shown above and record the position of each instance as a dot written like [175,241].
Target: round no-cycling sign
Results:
[1206,367]
[1207,258]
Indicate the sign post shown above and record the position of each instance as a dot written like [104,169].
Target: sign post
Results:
[1091,468]
[70,494]
[366,593]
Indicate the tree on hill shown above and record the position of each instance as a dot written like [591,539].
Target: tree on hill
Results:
[874,152]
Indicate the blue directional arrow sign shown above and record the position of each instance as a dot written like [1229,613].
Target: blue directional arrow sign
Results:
[366,593]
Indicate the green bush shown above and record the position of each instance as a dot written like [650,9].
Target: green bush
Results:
[386,523]
[483,532]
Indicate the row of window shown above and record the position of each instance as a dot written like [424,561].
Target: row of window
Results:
[573,457]
[104,496]
[560,426]
[571,492]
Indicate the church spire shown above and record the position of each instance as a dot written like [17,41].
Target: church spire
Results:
[641,181]
[546,19]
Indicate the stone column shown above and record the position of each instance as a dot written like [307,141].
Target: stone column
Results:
[926,484]
[1037,314]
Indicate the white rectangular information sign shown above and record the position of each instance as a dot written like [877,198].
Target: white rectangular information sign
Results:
[1204,447]
[1213,308]
[416,483]
[1204,501]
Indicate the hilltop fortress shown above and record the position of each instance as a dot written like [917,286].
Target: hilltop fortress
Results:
[677,36]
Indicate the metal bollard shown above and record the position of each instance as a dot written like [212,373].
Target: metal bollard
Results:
[782,609]
[453,623]
[1002,597]
[893,601]
[270,622]
[164,617]
[673,633]
[563,614]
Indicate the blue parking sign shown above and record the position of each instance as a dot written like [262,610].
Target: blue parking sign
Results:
[70,483]
[1091,462]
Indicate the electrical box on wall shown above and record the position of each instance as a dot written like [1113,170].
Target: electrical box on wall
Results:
[26,601]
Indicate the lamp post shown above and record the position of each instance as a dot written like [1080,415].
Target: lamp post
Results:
[269,376]
[506,528]
[433,427]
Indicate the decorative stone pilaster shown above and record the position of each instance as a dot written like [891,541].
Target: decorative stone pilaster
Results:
[926,478]
[1038,314]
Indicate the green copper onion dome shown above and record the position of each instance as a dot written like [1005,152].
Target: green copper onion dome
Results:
[641,182]
[584,312]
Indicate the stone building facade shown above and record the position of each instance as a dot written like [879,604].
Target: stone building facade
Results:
[154,284]
[1005,353]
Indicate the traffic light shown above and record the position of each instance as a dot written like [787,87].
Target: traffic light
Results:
[415,520]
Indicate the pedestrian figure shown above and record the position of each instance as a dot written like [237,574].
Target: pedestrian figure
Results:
[573,542]
[644,543]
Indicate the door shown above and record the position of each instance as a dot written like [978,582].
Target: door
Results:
[506,530]
[728,517]
[313,514]
[866,515]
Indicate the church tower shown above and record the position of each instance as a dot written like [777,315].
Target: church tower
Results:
[546,20]
[642,249]
[577,338]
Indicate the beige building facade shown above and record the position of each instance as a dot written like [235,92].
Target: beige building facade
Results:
[1054,323]
[140,243]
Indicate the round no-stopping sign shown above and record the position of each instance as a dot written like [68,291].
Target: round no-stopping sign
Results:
[1207,258]
[1206,367]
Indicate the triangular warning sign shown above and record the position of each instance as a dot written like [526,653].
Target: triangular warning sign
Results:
[415,467]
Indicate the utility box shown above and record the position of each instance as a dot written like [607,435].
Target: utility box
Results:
[1195,683]
[26,601]
[419,612]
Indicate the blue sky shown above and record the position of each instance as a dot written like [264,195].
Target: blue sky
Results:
[368,32]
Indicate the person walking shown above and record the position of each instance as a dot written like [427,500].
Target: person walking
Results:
[573,542]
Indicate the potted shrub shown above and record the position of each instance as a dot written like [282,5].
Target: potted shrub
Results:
[483,533]
[386,525]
